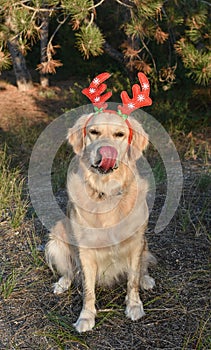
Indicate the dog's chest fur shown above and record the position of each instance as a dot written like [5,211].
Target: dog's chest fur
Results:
[108,216]
[114,262]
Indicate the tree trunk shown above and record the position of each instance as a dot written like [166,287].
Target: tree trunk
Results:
[44,79]
[23,77]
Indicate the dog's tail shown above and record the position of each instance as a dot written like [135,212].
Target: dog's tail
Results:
[58,252]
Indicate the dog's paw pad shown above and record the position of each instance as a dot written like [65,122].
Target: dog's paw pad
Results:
[147,282]
[135,312]
[84,324]
[62,285]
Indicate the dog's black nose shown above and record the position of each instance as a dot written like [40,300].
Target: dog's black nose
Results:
[98,157]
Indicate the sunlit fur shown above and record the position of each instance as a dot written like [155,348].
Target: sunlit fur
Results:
[103,234]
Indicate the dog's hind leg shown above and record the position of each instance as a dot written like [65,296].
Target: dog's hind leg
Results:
[146,282]
[59,255]
[134,309]
[62,285]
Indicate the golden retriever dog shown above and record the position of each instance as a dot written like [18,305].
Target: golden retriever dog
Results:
[104,235]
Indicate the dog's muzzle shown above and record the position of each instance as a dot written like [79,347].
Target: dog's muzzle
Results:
[106,159]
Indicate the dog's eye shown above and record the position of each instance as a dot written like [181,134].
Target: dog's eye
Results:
[94,132]
[119,134]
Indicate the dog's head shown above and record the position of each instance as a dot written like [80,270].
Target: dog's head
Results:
[105,144]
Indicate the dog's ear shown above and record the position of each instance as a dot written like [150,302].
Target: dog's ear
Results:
[140,139]
[76,134]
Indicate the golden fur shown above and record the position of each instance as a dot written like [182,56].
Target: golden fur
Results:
[103,236]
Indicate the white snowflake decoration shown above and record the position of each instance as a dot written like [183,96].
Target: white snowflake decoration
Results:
[145,86]
[140,98]
[96,81]
[92,90]
[97,99]
[131,105]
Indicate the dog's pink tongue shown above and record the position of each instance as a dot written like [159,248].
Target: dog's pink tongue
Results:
[109,155]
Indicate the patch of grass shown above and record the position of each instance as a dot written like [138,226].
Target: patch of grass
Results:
[19,141]
[193,211]
[184,218]
[197,149]
[159,172]
[201,338]
[47,93]
[76,96]
[204,183]
[60,167]
[111,304]
[189,218]
[34,251]
[8,284]
[62,334]
[26,138]
[13,204]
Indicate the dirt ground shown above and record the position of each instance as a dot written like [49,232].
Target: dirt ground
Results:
[34,106]
[177,310]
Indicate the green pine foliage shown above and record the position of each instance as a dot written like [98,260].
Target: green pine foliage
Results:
[79,9]
[167,32]
[194,48]
[156,37]
[90,41]
[198,63]
[5,61]
[148,9]
[16,22]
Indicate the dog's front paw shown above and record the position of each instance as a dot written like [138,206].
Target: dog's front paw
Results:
[134,311]
[85,322]
[147,282]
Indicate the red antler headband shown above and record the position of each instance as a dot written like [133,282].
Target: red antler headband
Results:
[140,98]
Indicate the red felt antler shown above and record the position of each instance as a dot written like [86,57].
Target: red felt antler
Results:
[140,96]
[96,88]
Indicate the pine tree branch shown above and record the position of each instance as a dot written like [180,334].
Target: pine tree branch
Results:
[149,52]
[38,9]
[98,4]
[205,2]
[57,29]
[124,4]
[91,20]
[115,54]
